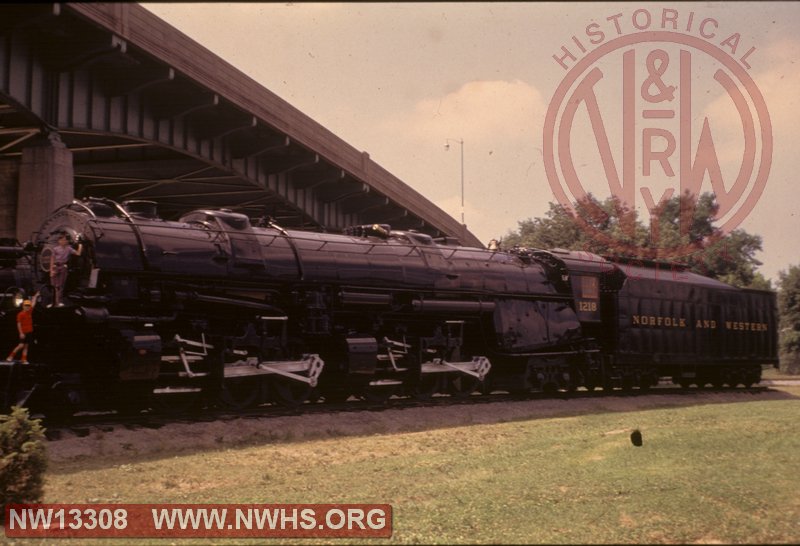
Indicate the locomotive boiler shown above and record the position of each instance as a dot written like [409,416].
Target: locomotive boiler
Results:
[218,308]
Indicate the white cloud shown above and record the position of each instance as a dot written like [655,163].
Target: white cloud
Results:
[776,72]
[500,123]
[478,110]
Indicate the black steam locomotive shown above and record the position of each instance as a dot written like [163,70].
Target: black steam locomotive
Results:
[216,308]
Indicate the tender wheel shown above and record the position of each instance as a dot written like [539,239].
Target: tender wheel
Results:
[734,379]
[627,383]
[751,377]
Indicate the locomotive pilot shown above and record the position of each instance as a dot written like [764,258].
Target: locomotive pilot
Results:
[25,329]
[59,260]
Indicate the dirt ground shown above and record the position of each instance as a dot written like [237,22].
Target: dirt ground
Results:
[122,441]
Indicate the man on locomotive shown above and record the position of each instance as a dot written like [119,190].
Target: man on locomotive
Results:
[25,329]
[59,260]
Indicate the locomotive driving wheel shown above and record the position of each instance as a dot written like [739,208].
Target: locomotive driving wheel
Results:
[428,385]
[286,391]
[242,392]
[289,392]
[463,385]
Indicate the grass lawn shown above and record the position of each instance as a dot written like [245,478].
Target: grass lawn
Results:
[706,473]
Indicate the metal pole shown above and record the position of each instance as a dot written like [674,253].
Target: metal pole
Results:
[447,147]
[462,183]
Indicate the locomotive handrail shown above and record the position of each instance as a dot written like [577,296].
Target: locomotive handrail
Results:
[299,236]
[372,246]
[136,231]
[300,272]
[83,206]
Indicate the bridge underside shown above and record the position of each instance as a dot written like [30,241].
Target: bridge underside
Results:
[143,112]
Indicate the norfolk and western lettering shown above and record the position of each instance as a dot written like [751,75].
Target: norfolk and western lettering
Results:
[699,324]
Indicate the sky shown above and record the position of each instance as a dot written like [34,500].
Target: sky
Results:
[399,80]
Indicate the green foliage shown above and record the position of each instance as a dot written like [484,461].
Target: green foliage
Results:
[681,221]
[714,469]
[731,260]
[22,458]
[760,282]
[789,311]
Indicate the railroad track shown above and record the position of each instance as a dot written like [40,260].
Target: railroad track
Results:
[84,424]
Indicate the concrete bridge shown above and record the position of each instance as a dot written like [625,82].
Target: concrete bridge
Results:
[109,100]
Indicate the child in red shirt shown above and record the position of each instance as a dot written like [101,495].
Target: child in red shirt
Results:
[25,329]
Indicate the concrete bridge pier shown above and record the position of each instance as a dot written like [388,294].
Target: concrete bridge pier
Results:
[9,185]
[46,182]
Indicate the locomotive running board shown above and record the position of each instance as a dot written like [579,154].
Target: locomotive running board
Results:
[312,364]
[478,367]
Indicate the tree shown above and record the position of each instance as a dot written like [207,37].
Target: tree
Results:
[559,228]
[23,459]
[789,312]
[681,221]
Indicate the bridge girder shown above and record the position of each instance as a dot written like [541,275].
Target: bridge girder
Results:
[152,126]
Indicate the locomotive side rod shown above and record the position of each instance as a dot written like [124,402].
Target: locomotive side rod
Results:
[312,364]
[479,367]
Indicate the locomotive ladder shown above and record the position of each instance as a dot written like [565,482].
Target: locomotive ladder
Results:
[395,350]
[186,355]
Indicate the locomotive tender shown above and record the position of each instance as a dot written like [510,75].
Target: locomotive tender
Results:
[218,308]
